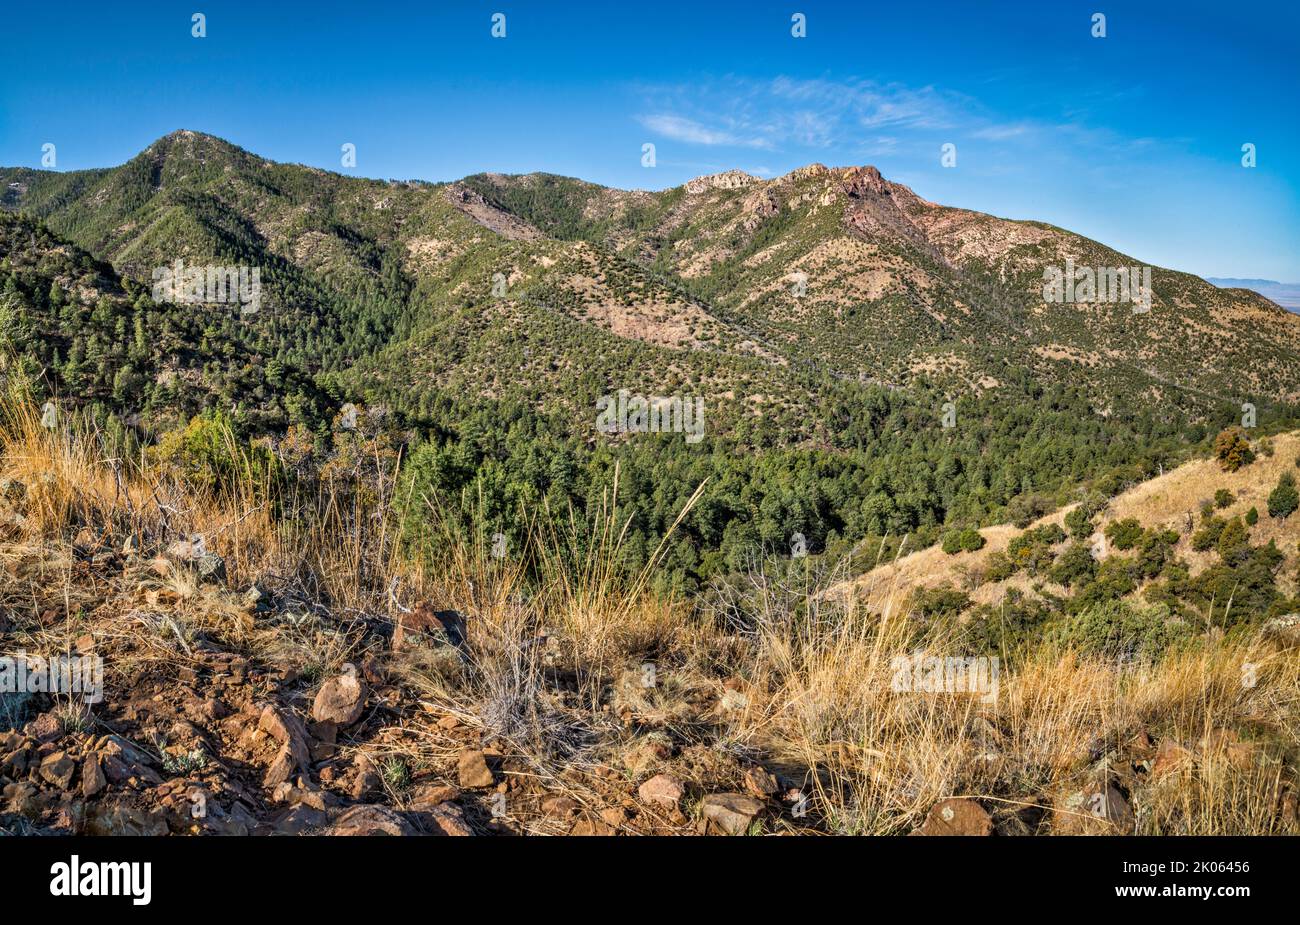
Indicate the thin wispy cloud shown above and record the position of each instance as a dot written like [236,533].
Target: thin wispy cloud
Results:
[859,118]
[680,128]
[786,113]
[1000,132]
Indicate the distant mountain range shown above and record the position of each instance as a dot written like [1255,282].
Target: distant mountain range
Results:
[1285,294]
[554,291]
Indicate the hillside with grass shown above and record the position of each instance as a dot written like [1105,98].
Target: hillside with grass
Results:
[286,659]
[917,383]
[1209,547]
[943,557]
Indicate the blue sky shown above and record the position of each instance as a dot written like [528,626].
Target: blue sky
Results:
[1133,139]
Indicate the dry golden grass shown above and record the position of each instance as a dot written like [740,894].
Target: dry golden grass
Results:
[1167,500]
[780,672]
[1057,725]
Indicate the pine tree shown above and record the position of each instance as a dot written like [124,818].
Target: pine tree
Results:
[1283,500]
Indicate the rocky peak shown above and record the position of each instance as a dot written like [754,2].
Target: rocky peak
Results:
[809,171]
[729,179]
[857,181]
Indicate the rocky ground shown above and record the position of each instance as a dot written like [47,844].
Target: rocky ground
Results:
[195,738]
[236,706]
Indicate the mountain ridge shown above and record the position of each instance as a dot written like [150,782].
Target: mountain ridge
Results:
[869,363]
[836,270]
[1286,295]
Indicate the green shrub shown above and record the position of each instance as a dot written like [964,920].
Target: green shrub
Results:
[1074,566]
[1015,623]
[1283,500]
[999,567]
[1032,550]
[1172,591]
[1252,517]
[1025,509]
[1223,498]
[1154,551]
[1117,630]
[1079,522]
[1205,538]
[943,603]
[1114,580]
[967,540]
[1234,541]
[1240,590]
[207,453]
[1124,534]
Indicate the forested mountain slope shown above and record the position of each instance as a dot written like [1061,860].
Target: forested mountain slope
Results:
[869,363]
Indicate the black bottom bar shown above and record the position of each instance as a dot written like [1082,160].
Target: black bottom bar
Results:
[212,874]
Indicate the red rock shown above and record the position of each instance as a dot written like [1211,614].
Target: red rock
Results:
[45,728]
[341,700]
[424,625]
[589,827]
[300,819]
[324,740]
[1288,810]
[560,806]
[732,813]
[281,769]
[472,770]
[424,797]
[1109,805]
[58,769]
[22,799]
[1228,744]
[15,763]
[366,782]
[370,819]
[760,783]
[124,818]
[92,777]
[956,817]
[373,670]
[123,763]
[447,819]
[284,727]
[1170,758]
[662,790]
